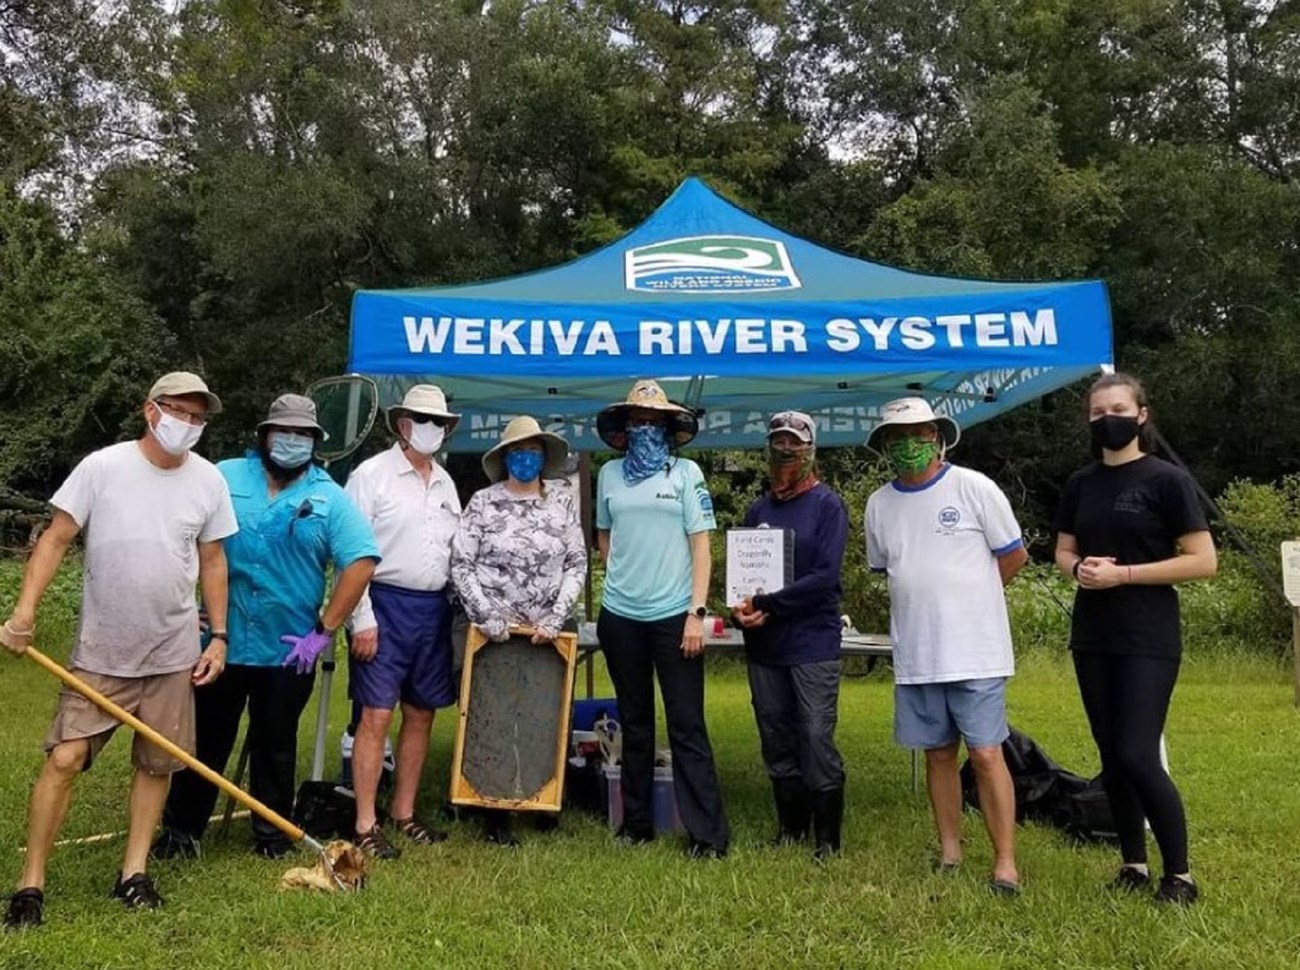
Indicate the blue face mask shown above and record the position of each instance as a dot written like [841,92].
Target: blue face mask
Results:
[647,452]
[291,450]
[524,466]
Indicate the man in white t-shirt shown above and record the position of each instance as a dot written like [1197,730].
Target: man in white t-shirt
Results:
[152,517]
[948,541]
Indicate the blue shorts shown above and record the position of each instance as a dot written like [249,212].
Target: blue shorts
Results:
[936,715]
[413,662]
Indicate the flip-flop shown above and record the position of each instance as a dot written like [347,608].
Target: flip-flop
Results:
[1004,887]
[946,867]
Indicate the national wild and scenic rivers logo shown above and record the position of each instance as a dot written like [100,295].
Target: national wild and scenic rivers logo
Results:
[710,264]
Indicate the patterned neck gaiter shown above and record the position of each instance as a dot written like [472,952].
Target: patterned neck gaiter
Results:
[647,452]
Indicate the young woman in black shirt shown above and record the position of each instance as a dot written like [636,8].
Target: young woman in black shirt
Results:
[1130,527]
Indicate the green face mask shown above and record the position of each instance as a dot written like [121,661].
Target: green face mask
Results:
[910,456]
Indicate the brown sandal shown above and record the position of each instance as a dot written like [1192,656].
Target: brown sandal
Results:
[376,845]
[417,831]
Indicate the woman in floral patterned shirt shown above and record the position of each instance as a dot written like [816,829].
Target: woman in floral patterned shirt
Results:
[519,558]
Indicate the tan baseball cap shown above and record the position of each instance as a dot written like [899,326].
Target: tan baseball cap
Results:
[180,382]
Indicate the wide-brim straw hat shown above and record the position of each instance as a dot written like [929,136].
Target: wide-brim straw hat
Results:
[521,429]
[913,410]
[611,423]
[423,399]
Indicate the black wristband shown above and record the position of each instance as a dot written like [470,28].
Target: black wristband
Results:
[1074,570]
[219,635]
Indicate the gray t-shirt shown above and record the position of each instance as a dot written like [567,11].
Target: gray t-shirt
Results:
[141,525]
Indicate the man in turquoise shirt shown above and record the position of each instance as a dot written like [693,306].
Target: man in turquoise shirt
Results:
[294,523]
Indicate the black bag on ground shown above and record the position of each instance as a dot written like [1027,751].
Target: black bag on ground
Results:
[1048,793]
[326,810]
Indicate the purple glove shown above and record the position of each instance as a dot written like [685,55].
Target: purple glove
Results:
[306,650]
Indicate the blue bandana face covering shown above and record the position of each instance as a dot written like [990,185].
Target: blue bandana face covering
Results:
[291,450]
[647,452]
[524,466]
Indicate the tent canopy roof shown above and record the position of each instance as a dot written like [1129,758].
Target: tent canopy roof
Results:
[735,316]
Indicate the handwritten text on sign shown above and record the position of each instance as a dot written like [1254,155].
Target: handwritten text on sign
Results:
[755,563]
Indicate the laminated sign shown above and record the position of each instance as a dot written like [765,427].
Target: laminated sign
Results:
[758,561]
[1291,572]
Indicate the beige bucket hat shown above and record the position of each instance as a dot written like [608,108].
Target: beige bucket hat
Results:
[913,410]
[611,423]
[524,428]
[423,399]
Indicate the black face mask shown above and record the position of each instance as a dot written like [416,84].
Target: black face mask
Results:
[1113,431]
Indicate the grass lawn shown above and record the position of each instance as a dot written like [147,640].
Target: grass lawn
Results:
[574,899]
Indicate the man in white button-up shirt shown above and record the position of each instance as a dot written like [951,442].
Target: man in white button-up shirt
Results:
[401,630]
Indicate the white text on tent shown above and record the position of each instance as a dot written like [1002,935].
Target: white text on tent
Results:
[919,333]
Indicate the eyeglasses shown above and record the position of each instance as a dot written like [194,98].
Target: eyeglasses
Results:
[423,418]
[196,418]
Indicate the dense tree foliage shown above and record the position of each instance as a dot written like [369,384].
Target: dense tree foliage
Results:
[205,183]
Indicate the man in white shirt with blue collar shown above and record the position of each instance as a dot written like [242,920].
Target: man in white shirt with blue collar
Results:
[948,541]
[401,629]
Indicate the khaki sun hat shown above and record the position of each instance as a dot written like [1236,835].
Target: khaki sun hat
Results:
[913,410]
[293,411]
[611,423]
[524,428]
[423,399]
[180,382]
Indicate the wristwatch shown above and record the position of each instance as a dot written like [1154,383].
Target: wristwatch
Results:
[700,611]
[219,635]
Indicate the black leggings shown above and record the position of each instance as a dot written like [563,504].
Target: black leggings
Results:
[1126,699]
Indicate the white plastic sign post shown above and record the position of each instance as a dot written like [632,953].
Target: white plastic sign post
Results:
[1291,587]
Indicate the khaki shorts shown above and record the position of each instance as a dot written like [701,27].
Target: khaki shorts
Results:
[163,701]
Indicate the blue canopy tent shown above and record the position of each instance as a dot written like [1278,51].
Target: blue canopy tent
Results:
[732,315]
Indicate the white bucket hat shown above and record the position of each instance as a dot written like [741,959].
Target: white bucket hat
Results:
[423,399]
[913,410]
[524,428]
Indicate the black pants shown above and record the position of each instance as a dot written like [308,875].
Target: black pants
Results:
[635,650]
[1127,699]
[275,697]
[796,708]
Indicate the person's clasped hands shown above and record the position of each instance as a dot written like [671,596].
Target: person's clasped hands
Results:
[306,649]
[1101,572]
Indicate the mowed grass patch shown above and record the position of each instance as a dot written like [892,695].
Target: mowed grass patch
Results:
[573,898]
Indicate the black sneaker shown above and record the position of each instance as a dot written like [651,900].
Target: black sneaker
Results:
[272,848]
[1181,892]
[174,844]
[627,836]
[1130,880]
[137,892]
[26,909]
[696,849]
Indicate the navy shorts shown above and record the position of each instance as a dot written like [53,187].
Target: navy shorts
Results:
[936,715]
[413,662]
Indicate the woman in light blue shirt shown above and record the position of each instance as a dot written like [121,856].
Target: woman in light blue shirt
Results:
[653,518]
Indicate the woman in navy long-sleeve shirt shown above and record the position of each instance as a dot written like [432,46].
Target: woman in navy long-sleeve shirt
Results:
[792,641]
